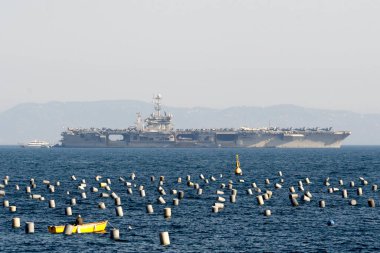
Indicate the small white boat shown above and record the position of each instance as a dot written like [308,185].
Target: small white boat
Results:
[37,144]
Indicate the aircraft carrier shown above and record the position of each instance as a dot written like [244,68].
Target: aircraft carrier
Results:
[157,131]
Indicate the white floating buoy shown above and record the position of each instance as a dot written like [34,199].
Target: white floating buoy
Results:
[340,182]
[6,203]
[219,205]
[353,202]
[117,202]
[73,202]
[68,211]
[291,189]
[322,204]
[36,196]
[294,201]
[307,193]
[260,200]
[94,189]
[306,198]
[278,186]
[27,189]
[307,180]
[215,209]
[176,202]
[374,187]
[267,212]
[200,191]
[359,191]
[371,202]
[17,187]
[29,227]
[344,193]
[51,203]
[142,193]
[119,211]
[149,208]
[267,181]
[280,173]
[221,199]
[114,195]
[101,205]
[115,234]
[16,222]
[83,195]
[12,209]
[73,177]
[68,229]
[233,198]
[164,238]
[234,192]
[352,184]
[167,212]
[249,191]
[181,194]
[161,200]
[220,192]
[254,185]
[108,181]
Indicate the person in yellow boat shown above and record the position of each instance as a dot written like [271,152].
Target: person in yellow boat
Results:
[79,220]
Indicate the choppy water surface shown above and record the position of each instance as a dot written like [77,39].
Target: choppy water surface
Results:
[240,227]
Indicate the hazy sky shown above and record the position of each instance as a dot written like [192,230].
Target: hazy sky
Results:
[213,53]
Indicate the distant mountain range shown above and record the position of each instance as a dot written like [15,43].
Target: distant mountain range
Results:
[26,122]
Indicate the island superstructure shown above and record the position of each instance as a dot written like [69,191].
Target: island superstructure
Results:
[157,131]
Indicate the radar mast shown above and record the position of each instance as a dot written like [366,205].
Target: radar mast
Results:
[157,122]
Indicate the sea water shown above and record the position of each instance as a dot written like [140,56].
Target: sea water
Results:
[239,227]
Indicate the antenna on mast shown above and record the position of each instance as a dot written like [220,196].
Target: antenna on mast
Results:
[157,104]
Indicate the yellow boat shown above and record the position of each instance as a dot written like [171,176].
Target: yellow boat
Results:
[93,227]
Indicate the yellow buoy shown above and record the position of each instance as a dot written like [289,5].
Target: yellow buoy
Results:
[238,170]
